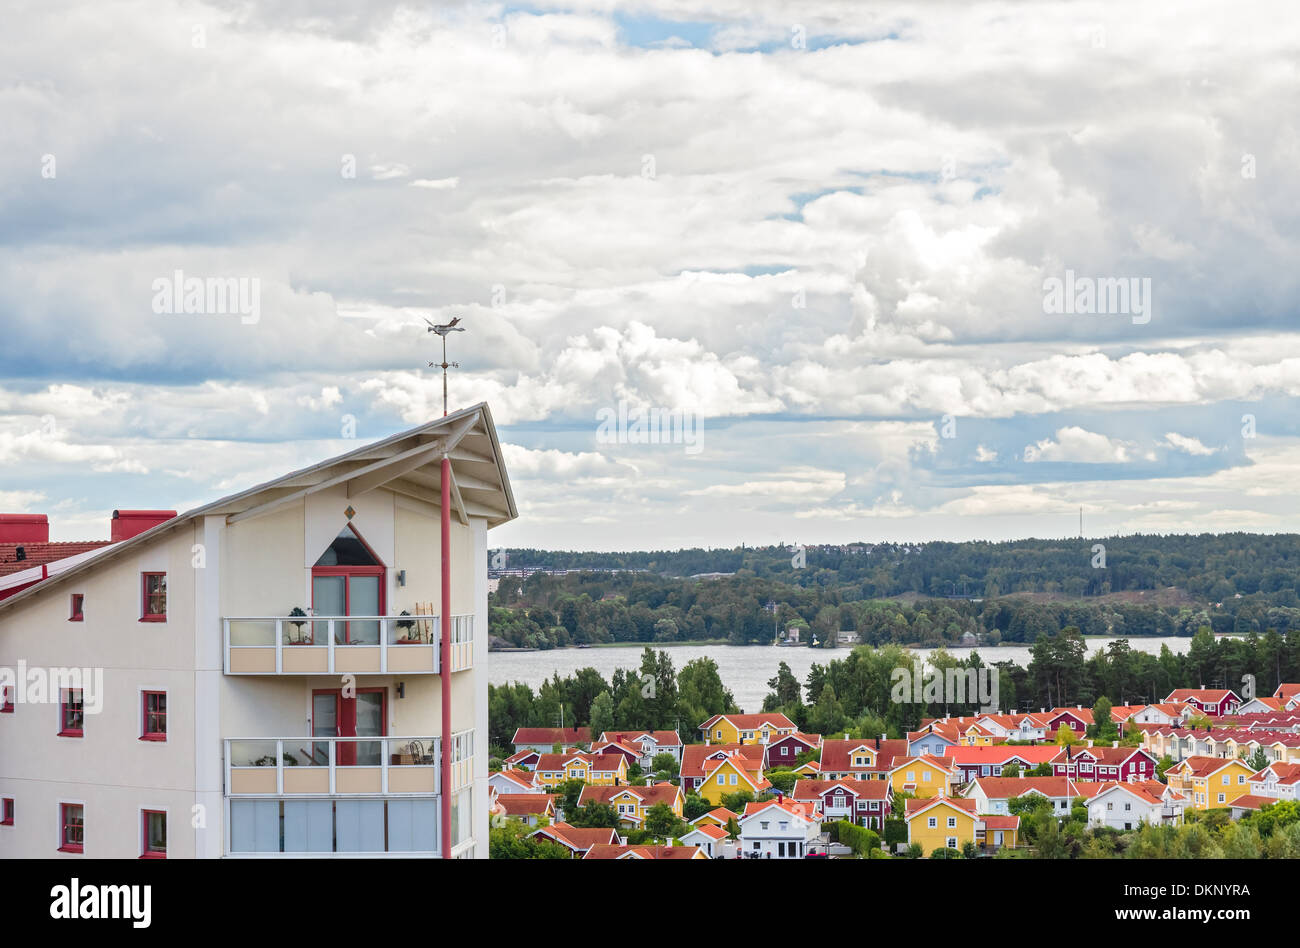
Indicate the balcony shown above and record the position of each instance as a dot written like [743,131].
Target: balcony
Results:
[344,766]
[326,645]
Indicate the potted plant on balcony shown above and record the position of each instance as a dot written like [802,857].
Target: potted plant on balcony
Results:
[405,626]
[299,639]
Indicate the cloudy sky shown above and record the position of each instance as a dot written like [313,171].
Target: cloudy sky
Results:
[824,235]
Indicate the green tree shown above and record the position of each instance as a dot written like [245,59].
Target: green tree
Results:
[602,714]
[511,840]
[595,814]
[660,820]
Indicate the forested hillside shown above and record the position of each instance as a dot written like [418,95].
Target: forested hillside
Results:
[925,594]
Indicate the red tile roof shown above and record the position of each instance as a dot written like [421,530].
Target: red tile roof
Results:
[662,738]
[526,804]
[694,756]
[38,554]
[806,790]
[643,852]
[914,805]
[751,722]
[998,788]
[649,795]
[578,838]
[552,735]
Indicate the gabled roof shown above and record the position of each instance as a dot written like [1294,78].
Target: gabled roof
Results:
[751,722]
[1283,772]
[38,554]
[407,463]
[1000,754]
[695,757]
[526,804]
[552,735]
[805,790]
[642,852]
[1199,766]
[647,796]
[524,778]
[915,807]
[803,811]
[721,814]
[1287,690]
[1143,791]
[711,830]
[1204,695]
[661,738]
[1006,788]
[577,838]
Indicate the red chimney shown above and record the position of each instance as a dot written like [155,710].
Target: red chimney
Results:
[24,528]
[130,523]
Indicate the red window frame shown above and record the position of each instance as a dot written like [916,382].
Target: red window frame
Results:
[159,714]
[66,824]
[7,699]
[78,602]
[145,851]
[146,598]
[7,811]
[66,708]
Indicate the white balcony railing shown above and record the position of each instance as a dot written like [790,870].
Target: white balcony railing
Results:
[322,645]
[343,766]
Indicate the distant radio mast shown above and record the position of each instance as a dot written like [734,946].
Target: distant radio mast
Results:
[444,364]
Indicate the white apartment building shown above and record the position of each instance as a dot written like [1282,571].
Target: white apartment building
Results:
[297,669]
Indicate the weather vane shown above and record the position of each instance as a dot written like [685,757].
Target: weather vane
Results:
[444,364]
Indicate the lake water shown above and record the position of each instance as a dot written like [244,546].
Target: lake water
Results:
[745,669]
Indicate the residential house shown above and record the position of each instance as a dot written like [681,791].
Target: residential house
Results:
[1209,782]
[514,781]
[718,816]
[624,851]
[1213,702]
[1261,705]
[1171,714]
[577,839]
[227,634]
[603,770]
[924,776]
[733,773]
[1122,805]
[708,837]
[649,743]
[699,759]
[994,794]
[1277,782]
[928,740]
[1103,763]
[973,762]
[1078,719]
[747,728]
[529,808]
[778,829]
[522,760]
[865,802]
[941,822]
[544,739]
[1289,695]
[858,758]
[633,803]
[783,753]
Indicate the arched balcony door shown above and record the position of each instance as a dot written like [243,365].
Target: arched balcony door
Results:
[348,580]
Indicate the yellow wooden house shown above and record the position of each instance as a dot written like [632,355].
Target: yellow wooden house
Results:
[1210,782]
[923,777]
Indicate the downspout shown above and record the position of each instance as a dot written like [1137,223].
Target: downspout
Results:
[444,624]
